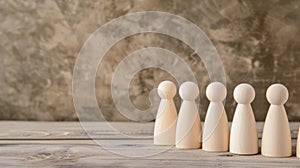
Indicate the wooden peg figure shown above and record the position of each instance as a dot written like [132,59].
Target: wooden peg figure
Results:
[276,137]
[216,130]
[188,130]
[165,123]
[243,135]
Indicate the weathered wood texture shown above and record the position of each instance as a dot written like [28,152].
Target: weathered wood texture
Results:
[66,144]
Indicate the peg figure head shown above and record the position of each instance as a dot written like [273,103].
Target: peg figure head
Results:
[244,93]
[277,94]
[166,90]
[189,91]
[216,92]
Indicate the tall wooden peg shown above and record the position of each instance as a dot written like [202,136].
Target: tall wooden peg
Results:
[188,130]
[165,123]
[216,130]
[243,136]
[276,137]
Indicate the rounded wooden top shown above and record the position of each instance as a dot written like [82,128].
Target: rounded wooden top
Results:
[216,92]
[166,90]
[189,91]
[277,94]
[244,93]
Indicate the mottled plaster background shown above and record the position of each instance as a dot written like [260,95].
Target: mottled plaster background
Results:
[259,42]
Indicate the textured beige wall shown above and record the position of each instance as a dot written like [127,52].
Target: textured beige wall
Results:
[259,42]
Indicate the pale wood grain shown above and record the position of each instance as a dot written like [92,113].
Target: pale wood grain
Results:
[86,153]
[73,130]
[65,144]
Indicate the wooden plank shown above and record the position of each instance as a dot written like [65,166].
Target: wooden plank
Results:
[65,144]
[73,130]
[85,153]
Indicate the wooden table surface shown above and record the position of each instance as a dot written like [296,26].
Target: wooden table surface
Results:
[66,144]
